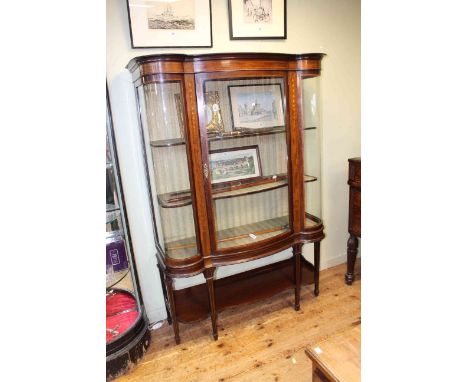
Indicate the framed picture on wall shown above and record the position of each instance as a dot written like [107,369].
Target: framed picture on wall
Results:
[255,107]
[170,24]
[257,19]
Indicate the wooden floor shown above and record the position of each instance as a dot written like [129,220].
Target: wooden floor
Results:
[260,342]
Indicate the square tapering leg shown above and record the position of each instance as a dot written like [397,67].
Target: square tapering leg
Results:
[209,273]
[316,267]
[297,252]
[170,295]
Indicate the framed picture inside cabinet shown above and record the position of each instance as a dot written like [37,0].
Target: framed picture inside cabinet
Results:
[257,19]
[234,164]
[170,24]
[256,107]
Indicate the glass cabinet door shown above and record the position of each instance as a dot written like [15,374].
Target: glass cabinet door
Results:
[164,133]
[244,129]
[312,149]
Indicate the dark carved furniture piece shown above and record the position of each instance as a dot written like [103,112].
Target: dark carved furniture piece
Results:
[231,143]
[354,220]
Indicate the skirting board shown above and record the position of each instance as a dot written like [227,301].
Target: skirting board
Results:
[334,261]
[234,269]
[156,314]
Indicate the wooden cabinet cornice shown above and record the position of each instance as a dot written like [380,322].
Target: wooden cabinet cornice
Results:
[232,150]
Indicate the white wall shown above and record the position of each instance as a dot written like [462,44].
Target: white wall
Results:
[326,26]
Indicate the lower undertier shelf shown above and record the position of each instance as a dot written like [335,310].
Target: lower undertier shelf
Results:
[192,303]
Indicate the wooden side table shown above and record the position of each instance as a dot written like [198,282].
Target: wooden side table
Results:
[354,219]
[338,358]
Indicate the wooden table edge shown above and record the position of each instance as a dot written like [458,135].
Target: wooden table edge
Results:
[323,368]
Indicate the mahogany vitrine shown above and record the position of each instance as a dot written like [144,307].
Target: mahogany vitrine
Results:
[232,150]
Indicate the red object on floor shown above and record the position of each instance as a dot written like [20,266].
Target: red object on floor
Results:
[121,313]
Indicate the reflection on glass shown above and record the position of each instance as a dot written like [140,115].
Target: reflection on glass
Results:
[117,265]
[248,160]
[122,302]
[312,137]
[164,134]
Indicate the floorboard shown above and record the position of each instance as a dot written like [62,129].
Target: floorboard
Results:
[264,341]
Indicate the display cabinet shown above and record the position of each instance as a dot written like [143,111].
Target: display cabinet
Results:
[127,332]
[232,149]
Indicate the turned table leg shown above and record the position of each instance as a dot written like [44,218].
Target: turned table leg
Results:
[209,273]
[170,295]
[316,267]
[352,252]
[297,252]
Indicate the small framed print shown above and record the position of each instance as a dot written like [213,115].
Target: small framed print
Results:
[257,19]
[170,24]
[236,163]
[213,118]
[256,107]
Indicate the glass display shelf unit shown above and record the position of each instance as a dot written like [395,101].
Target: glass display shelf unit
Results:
[226,141]
[127,333]
[111,207]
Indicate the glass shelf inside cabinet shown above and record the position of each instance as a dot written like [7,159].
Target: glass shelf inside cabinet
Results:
[114,278]
[223,135]
[182,249]
[112,215]
[249,233]
[248,133]
[219,191]
[110,207]
[235,236]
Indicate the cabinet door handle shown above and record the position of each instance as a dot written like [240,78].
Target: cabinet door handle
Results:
[205,170]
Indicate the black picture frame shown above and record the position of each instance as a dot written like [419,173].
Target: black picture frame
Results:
[132,34]
[257,37]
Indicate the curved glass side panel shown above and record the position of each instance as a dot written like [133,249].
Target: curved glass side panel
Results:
[246,127]
[164,137]
[312,149]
